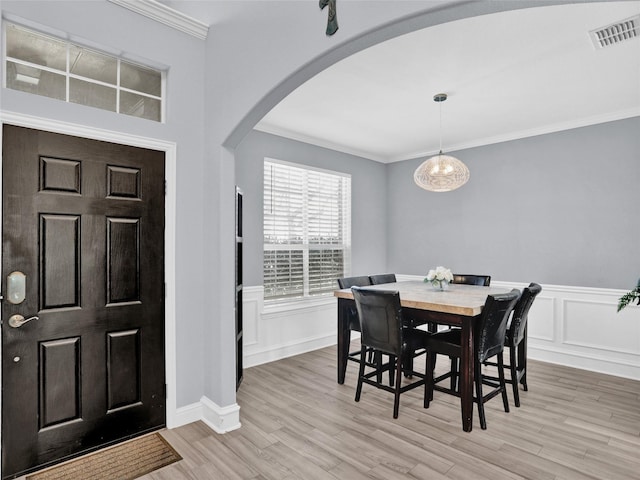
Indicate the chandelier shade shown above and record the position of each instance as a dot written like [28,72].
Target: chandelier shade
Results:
[441,173]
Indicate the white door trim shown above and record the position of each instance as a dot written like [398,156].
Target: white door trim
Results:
[170,149]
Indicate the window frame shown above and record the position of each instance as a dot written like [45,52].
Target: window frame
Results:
[304,246]
[68,75]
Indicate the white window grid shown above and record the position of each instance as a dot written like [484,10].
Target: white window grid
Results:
[68,75]
[299,238]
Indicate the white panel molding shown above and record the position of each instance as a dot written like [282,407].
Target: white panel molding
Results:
[252,302]
[276,331]
[285,330]
[602,315]
[168,16]
[589,353]
[557,341]
[544,328]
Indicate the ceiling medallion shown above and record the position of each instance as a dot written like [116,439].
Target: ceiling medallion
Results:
[441,173]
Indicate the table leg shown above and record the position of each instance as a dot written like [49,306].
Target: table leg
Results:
[466,374]
[344,336]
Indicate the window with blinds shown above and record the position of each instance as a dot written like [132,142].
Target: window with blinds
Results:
[307,230]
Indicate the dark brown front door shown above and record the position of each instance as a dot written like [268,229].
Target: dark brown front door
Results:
[83,220]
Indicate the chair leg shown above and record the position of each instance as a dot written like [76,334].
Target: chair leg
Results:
[408,365]
[363,360]
[392,362]
[431,365]
[454,374]
[396,400]
[426,380]
[503,386]
[522,363]
[377,360]
[513,367]
[479,396]
[370,356]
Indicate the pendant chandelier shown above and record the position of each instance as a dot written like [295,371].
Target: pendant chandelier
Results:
[441,173]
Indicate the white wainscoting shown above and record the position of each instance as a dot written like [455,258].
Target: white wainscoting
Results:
[273,332]
[572,326]
[579,327]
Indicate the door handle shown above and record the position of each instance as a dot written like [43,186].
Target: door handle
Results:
[17,320]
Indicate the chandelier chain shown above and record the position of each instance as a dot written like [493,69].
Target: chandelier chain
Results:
[440,104]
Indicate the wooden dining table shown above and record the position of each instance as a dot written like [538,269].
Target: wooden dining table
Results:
[459,305]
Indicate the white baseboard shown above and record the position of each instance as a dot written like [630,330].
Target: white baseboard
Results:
[188,414]
[609,366]
[219,419]
[277,352]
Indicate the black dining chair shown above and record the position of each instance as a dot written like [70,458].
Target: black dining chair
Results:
[488,341]
[354,323]
[408,321]
[515,341]
[466,279]
[382,278]
[479,280]
[382,329]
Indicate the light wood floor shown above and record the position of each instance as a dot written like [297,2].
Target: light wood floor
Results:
[298,423]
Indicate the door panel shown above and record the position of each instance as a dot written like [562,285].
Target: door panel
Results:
[59,381]
[84,221]
[59,261]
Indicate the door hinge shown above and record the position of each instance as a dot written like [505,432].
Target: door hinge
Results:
[165,392]
[165,187]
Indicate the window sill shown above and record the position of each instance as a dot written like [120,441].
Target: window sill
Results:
[298,304]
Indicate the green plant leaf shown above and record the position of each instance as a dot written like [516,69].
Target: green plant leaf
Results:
[628,298]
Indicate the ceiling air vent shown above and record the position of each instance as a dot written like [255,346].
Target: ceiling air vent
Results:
[616,32]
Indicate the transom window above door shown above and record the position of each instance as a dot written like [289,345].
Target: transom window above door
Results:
[56,68]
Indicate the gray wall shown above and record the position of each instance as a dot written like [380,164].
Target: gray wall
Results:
[560,208]
[120,31]
[368,202]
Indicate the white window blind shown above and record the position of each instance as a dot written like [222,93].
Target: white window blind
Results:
[307,230]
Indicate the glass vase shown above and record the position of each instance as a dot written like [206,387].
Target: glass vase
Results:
[440,285]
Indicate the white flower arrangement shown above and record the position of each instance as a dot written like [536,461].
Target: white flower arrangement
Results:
[440,277]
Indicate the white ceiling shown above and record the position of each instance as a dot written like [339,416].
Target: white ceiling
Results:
[508,75]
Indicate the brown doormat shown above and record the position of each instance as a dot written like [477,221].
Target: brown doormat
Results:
[124,461]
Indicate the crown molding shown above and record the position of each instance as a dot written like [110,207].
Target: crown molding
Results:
[507,137]
[480,142]
[318,142]
[163,14]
